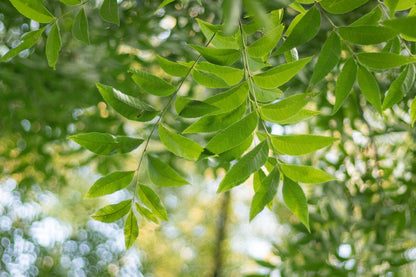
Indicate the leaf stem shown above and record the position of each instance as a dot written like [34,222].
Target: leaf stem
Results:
[161,115]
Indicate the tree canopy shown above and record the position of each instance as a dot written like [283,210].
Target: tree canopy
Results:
[183,124]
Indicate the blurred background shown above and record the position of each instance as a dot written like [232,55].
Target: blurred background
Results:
[361,225]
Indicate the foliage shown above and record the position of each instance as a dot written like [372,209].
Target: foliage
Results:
[254,84]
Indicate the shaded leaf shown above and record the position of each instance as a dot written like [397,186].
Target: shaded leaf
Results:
[341,6]
[33,9]
[128,106]
[163,175]
[131,230]
[368,19]
[384,60]
[369,87]
[53,45]
[279,75]
[265,193]
[230,75]
[231,15]
[345,82]
[28,40]
[109,11]
[236,152]
[305,174]
[173,68]
[112,213]
[151,200]
[403,25]
[218,56]
[233,135]
[80,27]
[106,144]
[248,164]
[229,99]
[301,115]
[71,2]
[367,34]
[295,200]
[219,41]
[305,30]
[258,177]
[267,95]
[395,92]
[189,108]
[328,58]
[180,145]
[111,183]
[211,123]
[152,84]
[208,79]
[164,3]
[267,43]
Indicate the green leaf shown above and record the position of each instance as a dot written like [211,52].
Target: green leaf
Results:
[146,214]
[219,41]
[180,145]
[152,84]
[284,109]
[345,82]
[71,2]
[328,58]
[305,30]
[172,68]
[410,79]
[295,200]
[413,112]
[299,144]
[151,200]
[231,15]
[267,95]
[255,64]
[367,34]
[341,6]
[212,123]
[279,75]
[233,135]
[128,106]
[248,164]
[267,43]
[164,3]
[368,19]
[112,213]
[292,55]
[189,108]
[229,99]
[395,92]
[163,175]
[236,152]
[301,115]
[403,25]
[106,144]
[109,11]
[305,174]
[265,192]
[28,40]
[384,60]
[208,79]
[33,9]
[80,27]
[258,177]
[369,87]
[216,55]
[53,45]
[111,183]
[230,75]
[131,230]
